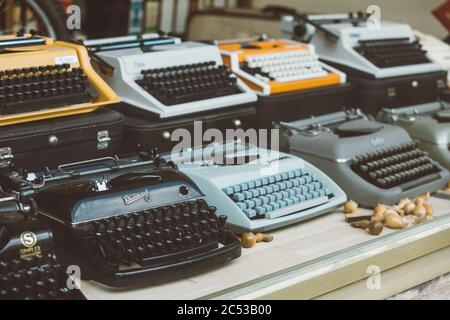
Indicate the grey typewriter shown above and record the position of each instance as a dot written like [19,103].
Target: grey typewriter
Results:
[428,124]
[371,161]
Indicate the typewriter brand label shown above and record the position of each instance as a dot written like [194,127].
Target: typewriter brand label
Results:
[66,59]
[376,142]
[28,239]
[132,198]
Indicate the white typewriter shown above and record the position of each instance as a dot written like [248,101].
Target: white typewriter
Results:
[388,49]
[437,50]
[258,189]
[167,77]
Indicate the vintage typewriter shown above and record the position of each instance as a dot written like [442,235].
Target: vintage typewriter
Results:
[29,267]
[373,162]
[259,189]
[127,222]
[437,50]
[168,78]
[278,66]
[388,49]
[41,78]
[428,124]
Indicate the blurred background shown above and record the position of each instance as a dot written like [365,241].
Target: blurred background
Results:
[202,19]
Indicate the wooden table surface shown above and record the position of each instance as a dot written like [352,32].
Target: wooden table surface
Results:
[315,247]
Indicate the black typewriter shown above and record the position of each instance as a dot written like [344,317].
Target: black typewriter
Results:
[128,222]
[29,267]
[189,83]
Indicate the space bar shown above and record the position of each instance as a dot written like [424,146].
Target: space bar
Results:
[296,208]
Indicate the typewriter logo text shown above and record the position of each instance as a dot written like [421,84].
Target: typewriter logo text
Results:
[28,239]
[376,142]
[130,199]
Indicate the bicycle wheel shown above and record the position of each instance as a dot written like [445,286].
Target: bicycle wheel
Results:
[45,16]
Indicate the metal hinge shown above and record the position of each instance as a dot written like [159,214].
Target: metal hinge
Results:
[103,140]
[6,157]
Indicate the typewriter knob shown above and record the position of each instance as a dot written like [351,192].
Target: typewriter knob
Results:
[166,135]
[184,190]
[53,140]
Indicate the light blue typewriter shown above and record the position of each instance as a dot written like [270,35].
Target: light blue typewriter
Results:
[259,189]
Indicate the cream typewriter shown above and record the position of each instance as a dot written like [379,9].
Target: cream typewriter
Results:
[168,78]
[272,66]
[389,49]
[428,124]
[373,162]
[259,189]
[41,78]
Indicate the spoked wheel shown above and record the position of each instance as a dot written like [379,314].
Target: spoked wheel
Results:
[47,17]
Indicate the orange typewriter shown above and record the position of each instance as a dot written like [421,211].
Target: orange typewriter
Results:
[41,79]
[278,66]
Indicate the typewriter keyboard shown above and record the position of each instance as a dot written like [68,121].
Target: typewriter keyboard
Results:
[392,52]
[158,236]
[36,88]
[284,67]
[279,195]
[188,83]
[394,166]
[31,279]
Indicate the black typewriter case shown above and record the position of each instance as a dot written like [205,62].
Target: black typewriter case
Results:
[302,104]
[48,143]
[142,129]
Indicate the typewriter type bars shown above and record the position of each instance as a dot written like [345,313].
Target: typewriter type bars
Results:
[170,79]
[143,235]
[29,272]
[277,66]
[289,191]
[41,79]
[388,51]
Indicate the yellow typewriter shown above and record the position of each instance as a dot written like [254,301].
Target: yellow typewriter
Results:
[278,66]
[41,78]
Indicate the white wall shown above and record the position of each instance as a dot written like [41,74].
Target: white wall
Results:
[414,12]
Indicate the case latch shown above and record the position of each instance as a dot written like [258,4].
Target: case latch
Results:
[103,140]
[6,157]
